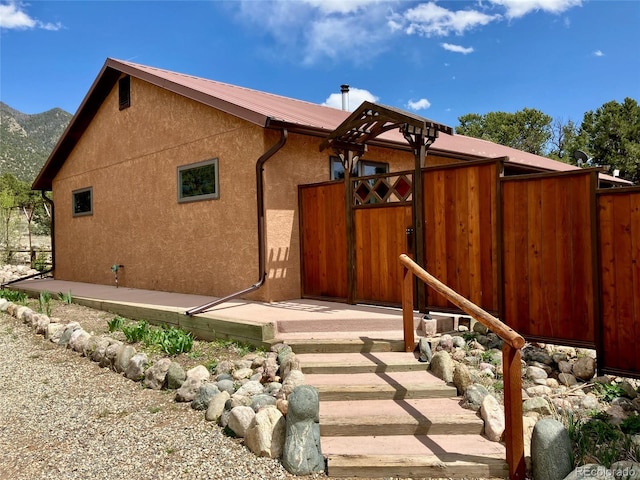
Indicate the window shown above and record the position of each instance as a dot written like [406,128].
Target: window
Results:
[124,92]
[82,202]
[365,168]
[198,181]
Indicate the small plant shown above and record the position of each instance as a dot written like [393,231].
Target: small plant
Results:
[14,296]
[44,301]
[174,341]
[631,425]
[608,391]
[41,263]
[65,297]
[136,332]
[116,323]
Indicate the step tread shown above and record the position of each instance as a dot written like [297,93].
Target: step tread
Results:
[471,447]
[418,409]
[400,379]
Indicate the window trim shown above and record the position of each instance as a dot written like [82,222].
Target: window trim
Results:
[73,202]
[333,159]
[207,196]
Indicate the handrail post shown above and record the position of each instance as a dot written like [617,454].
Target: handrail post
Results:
[407,309]
[514,430]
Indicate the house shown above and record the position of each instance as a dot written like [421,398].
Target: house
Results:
[165,176]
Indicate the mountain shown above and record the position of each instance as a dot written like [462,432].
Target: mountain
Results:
[27,140]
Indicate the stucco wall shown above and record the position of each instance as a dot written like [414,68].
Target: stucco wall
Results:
[130,159]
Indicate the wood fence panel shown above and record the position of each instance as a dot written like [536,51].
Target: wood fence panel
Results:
[548,256]
[380,239]
[460,205]
[619,264]
[323,241]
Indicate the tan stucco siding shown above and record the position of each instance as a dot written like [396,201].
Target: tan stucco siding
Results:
[130,159]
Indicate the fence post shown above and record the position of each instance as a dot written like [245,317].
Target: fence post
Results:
[407,309]
[514,430]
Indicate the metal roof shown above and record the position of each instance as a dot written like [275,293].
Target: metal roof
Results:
[261,108]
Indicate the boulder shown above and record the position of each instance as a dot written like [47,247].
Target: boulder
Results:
[266,435]
[293,381]
[551,455]
[195,377]
[137,365]
[302,453]
[493,415]
[462,378]
[155,376]
[584,368]
[204,395]
[123,357]
[240,420]
[442,366]
[175,376]
[473,396]
[216,406]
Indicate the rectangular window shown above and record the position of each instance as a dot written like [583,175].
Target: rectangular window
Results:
[124,92]
[198,181]
[364,168]
[82,202]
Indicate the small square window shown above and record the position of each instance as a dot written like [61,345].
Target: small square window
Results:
[198,181]
[82,202]
[124,92]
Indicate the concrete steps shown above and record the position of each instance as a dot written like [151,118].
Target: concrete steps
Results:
[382,414]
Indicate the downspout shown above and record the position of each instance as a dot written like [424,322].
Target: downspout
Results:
[262,271]
[53,249]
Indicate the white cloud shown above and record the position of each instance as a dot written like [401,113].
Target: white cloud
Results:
[313,31]
[598,53]
[457,48]
[430,19]
[356,97]
[519,8]
[13,16]
[421,104]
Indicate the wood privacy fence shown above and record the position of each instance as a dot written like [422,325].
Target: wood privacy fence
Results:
[553,256]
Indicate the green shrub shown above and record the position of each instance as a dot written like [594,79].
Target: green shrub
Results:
[608,391]
[14,296]
[174,341]
[135,333]
[41,263]
[115,323]
[44,302]
[65,297]
[631,425]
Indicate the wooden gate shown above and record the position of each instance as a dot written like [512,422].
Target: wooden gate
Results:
[382,218]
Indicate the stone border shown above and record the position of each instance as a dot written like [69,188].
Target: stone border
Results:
[261,399]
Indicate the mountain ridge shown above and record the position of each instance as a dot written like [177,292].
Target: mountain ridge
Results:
[26,140]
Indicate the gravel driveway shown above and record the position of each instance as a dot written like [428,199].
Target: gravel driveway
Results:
[63,417]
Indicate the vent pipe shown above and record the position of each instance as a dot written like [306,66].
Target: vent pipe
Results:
[344,89]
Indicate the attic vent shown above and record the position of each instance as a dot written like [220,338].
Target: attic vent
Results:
[124,90]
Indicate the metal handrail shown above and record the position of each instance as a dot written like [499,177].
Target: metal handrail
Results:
[511,356]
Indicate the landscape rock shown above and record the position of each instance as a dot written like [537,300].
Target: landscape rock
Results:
[473,396]
[442,366]
[425,350]
[493,415]
[156,375]
[536,404]
[261,401]
[266,435]
[204,395]
[551,454]
[240,420]
[175,376]
[250,388]
[123,357]
[462,378]
[195,377]
[137,365]
[216,406]
[302,453]
[293,380]
[584,368]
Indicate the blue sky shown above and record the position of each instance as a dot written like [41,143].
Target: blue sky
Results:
[440,59]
